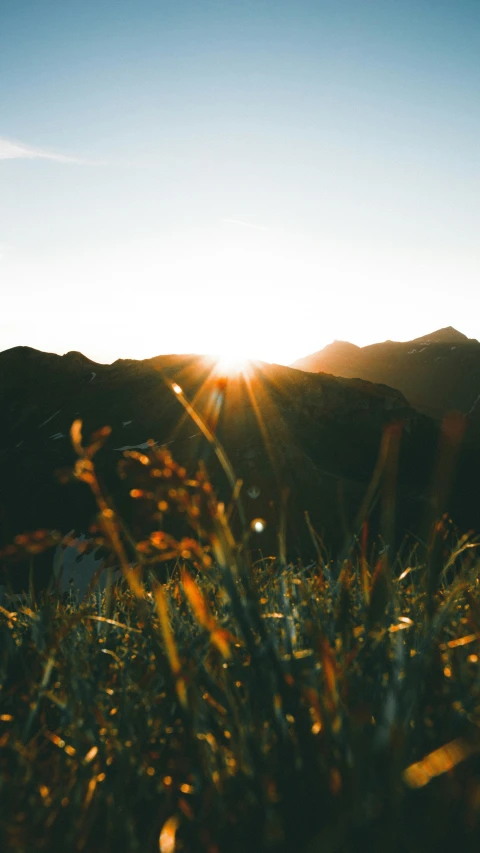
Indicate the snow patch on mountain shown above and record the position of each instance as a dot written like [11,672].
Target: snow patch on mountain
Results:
[145,446]
[475,403]
[49,419]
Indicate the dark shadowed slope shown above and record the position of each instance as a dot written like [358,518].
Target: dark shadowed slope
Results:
[316,434]
[436,373]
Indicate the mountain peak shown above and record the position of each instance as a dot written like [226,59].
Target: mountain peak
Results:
[78,357]
[342,345]
[447,335]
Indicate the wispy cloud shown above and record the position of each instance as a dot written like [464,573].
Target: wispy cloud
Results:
[245,224]
[13,150]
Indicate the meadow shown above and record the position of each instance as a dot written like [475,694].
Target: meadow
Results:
[209,702]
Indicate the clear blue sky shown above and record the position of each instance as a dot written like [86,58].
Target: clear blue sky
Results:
[252,176]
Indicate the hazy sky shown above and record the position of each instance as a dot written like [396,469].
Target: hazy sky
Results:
[254,176]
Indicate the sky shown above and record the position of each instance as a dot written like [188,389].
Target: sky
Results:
[246,177]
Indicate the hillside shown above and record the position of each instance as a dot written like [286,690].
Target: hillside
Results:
[437,372]
[317,434]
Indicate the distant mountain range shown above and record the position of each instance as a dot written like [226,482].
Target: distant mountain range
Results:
[437,373]
[314,433]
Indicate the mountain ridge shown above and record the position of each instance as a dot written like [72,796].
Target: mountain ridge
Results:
[436,372]
[447,335]
[318,434]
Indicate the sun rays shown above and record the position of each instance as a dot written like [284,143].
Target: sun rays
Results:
[235,400]
[231,364]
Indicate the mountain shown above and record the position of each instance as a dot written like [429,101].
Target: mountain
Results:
[317,434]
[448,335]
[437,373]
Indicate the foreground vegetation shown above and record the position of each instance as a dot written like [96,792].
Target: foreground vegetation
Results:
[329,707]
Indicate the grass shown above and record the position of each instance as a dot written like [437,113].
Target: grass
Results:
[235,707]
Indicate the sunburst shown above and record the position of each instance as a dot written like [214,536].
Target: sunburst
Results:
[231,364]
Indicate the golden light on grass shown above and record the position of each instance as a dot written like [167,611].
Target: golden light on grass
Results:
[170,644]
[198,603]
[166,841]
[437,762]
[463,641]
[91,754]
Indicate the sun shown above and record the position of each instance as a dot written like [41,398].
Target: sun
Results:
[231,364]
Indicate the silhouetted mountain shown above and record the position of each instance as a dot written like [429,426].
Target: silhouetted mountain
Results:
[317,434]
[437,373]
[448,335]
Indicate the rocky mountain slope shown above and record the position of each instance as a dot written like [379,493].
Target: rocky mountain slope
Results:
[437,373]
[316,434]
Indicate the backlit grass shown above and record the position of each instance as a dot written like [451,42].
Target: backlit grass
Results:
[239,707]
